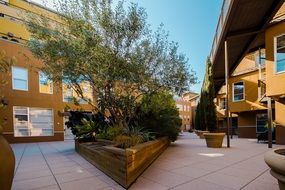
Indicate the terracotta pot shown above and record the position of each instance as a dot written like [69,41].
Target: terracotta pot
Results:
[275,159]
[7,163]
[214,140]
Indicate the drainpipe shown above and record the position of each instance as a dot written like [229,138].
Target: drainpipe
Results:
[227,93]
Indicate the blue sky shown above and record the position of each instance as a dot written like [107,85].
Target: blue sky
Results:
[191,23]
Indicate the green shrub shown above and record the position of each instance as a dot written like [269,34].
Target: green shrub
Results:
[206,118]
[109,133]
[158,113]
[88,127]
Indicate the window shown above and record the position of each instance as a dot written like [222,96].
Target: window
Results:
[238,91]
[280,54]
[46,85]
[32,121]
[20,78]
[223,102]
[261,121]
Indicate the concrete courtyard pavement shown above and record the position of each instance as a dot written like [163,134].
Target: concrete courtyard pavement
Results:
[186,164]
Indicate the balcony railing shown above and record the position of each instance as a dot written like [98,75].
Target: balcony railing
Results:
[220,26]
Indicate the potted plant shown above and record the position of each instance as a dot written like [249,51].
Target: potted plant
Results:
[275,159]
[207,110]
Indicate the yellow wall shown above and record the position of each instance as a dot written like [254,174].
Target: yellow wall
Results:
[16,12]
[280,112]
[275,83]
[251,100]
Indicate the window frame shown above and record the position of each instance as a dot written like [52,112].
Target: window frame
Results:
[29,123]
[256,116]
[39,73]
[275,54]
[13,85]
[233,89]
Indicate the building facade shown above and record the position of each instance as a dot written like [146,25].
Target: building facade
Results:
[34,104]
[253,48]
[247,102]
[185,107]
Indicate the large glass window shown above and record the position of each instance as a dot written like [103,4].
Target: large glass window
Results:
[46,85]
[280,54]
[261,121]
[20,78]
[238,91]
[32,121]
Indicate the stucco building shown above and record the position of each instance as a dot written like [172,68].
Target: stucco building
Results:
[34,104]
[249,66]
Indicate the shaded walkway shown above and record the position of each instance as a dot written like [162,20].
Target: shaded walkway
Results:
[186,164]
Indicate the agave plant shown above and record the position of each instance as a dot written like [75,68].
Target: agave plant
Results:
[132,136]
[87,127]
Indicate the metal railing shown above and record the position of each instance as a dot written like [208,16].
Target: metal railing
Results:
[223,15]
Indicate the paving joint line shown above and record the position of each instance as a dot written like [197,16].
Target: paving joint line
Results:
[217,171]
[49,167]
[20,159]
[254,179]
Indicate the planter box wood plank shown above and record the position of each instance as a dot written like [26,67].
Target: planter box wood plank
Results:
[122,165]
[142,156]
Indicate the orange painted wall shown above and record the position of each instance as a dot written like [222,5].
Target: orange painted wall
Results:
[251,101]
[32,97]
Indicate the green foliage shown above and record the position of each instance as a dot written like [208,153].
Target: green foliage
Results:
[198,122]
[88,127]
[132,136]
[113,49]
[158,113]
[109,133]
[206,118]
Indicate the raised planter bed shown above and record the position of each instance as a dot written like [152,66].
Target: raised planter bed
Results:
[122,165]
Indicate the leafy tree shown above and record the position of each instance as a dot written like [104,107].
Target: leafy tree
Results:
[206,118]
[111,47]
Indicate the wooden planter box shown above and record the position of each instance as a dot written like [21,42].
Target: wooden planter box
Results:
[122,165]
